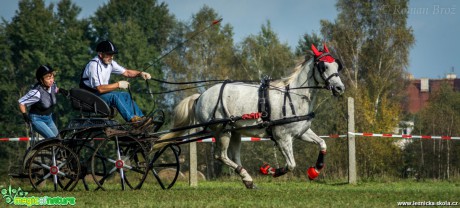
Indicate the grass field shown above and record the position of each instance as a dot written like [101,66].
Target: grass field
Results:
[270,193]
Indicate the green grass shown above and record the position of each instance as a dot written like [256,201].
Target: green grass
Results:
[270,193]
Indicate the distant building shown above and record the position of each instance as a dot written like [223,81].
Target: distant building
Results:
[419,91]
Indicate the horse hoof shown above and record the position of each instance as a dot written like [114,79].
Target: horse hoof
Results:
[312,173]
[279,172]
[249,185]
[265,169]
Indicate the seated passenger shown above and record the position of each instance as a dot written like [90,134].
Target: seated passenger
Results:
[41,99]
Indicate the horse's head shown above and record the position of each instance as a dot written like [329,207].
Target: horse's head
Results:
[328,69]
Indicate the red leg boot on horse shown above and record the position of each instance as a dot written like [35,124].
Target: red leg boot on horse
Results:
[313,172]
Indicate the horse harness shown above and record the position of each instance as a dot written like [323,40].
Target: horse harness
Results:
[263,105]
[264,101]
[264,108]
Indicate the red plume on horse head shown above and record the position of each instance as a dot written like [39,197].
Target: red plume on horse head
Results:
[318,53]
[325,49]
[315,51]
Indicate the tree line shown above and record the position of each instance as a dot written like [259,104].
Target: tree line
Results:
[372,42]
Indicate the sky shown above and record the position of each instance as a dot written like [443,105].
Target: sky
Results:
[435,24]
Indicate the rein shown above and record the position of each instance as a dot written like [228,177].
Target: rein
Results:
[215,81]
[209,82]
[184,83]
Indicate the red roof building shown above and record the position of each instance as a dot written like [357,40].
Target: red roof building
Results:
[419,91]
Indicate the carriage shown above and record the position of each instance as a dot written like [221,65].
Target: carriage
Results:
[96,147]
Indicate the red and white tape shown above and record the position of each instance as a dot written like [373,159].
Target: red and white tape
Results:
[256,139]
[245,139]
[18,139]
[405,136]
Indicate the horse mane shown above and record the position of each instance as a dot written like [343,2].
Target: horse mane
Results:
[289,79]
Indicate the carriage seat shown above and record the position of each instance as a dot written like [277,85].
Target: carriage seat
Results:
[87,102]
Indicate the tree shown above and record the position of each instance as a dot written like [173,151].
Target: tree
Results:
[35,36]
[8,86]
[140,29]
[209,55]
[373,43]
[437,158]
[27,41]
[264,54]
[206,53]
[70,54]
[205,50]
[38,36]
[303,49]
[152,18]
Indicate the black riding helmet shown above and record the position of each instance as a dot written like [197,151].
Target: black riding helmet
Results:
[106,47]
[42,71]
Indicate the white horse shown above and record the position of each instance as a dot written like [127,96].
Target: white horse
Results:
[236,99]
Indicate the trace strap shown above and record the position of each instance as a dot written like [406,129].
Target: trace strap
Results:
[264,99]
[288,96]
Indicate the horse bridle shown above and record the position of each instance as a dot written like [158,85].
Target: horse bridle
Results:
[319,65]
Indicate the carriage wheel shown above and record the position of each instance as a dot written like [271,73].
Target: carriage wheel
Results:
[55,163]
[125,157]
[85,148]
[165,166]
[86,154]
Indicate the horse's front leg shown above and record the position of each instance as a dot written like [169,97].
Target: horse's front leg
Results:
[285,147]
[310,136]
[223,142]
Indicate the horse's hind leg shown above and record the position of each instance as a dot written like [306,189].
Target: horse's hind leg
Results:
[223,141]
[234,148]
[310,136]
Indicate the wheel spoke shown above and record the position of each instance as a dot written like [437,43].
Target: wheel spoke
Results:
[124,156]
[54,162]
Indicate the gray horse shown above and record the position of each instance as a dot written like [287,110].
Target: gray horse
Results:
[235,99]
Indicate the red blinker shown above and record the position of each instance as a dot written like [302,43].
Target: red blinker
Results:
[326,58]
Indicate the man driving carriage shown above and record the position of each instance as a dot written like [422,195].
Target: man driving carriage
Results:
[96,76]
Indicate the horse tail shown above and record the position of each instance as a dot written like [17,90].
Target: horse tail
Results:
[184,115]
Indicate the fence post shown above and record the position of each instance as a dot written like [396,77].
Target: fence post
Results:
[351,142]
[193,174]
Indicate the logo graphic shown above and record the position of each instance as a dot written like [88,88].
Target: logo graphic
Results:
[19,197]
[9,194]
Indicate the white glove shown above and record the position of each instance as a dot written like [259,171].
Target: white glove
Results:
[123,84]
[145,75]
